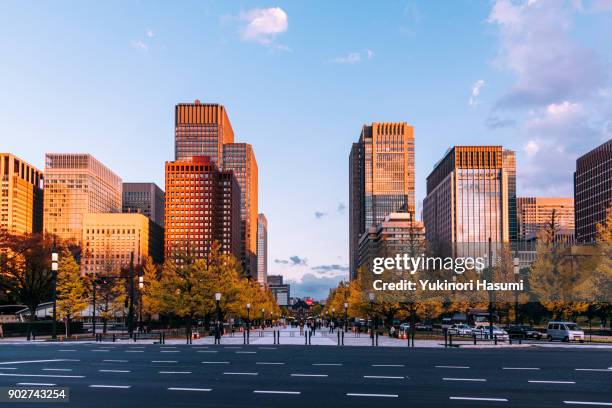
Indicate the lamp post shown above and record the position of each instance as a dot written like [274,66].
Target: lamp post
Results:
[263,318]
[218,331]
[345,316]
[54,268]
[131,297]
[516,265]
[248,323]
[372,297]
[93,310]
[140,290]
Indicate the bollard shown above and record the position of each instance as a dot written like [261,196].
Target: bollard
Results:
[372,336]
[306,338]
[343,338]
[338,338]
[495,339]
[243,337]
[510,339]
[445,339]
[474,334]
[309,338]
[376,339]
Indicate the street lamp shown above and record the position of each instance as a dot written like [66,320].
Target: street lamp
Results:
[218,333]
[263,318]
[54,268]
[372,297]
[140,290]
[345,316]
[248,323]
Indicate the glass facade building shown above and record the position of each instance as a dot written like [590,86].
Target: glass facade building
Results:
[469,197]
[77,184]
[536,213]
[21,196]
[381,179]
[144,198]
[262,249]
[592,191]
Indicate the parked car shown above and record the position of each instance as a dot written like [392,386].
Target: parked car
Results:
[423,326]
[402,332]
[460,329]
[524,332]
[565,331]
[484,333]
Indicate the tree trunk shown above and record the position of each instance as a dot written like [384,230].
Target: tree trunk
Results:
[30,320]
[104,321]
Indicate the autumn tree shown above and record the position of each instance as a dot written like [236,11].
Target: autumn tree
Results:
[71,290]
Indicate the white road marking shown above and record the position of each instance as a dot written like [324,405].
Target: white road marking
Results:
[115,361]
[169,351]
[207,351]
[276,392]
[199,348]
[114,371]
[234,373]
[384,377]
[479,399]
[607,404]
[189,389]
[36,361]
[110,386]
[38,384]
[100,350]
[57,369]
[327,364]
[551,382]
[8,368]
[134,351]
[246,352]
[387,365]
[450,366]
[136,347]
[232,347]
[464,379]
[167,347]
[593,369]
[41,375]
[164,361]
[264,363]
[215,362]
[66,350]
[174,372]
[309,375]
[352,394]
[520,368]
[267,348]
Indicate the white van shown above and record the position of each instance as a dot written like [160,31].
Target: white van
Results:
[565,331]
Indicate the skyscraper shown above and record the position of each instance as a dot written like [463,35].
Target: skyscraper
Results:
[381,179]
[77,184]
[468,198]
[144,198]
[202,207]
[535,213]
[21,195]
[262,249]
[592,190]
[201,130]
[240,159]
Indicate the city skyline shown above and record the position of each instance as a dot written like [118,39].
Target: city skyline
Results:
[550,120]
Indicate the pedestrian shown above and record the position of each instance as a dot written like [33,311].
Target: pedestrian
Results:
[1,332]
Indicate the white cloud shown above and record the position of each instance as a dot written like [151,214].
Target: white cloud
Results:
[353,57]
[150,33]
[140,45]
[476,92]
[531,148]
[263,25]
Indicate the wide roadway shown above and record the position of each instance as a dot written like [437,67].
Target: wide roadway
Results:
[122,375]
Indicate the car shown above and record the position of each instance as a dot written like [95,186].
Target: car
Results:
[403,331]
[484,333]
[460,329]
[565,331]
[423,326]
[524,332]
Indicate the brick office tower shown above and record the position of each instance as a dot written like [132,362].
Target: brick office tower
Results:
[381,179]
[468,199]
[262,249]
[592,191]
[77,184]
[21,199]
[202,207]
[205,130]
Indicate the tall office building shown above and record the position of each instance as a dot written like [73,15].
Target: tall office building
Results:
[262,249]
[280,290]
[509,164]
[202,207]
[21,195]
[592,191]
[239,158]
[536,213]
[468,198]
[77,184]
[381,179]
[110,239]
[201,130]
[144,198]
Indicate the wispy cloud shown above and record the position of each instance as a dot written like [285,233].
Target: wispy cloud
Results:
[319,214]
[476,92]
[341,208]
[263,25]
[150,33]
[141,45]
[292,261]
[353,57]
[331,268]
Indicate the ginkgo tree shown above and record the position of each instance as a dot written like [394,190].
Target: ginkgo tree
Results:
[72,294]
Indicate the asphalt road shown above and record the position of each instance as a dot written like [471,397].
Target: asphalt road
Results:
[309,376]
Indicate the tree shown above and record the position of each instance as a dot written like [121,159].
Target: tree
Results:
[25,269]
[71,290]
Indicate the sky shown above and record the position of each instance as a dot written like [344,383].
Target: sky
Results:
[299,79]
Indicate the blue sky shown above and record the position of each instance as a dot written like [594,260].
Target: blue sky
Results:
[299,79]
